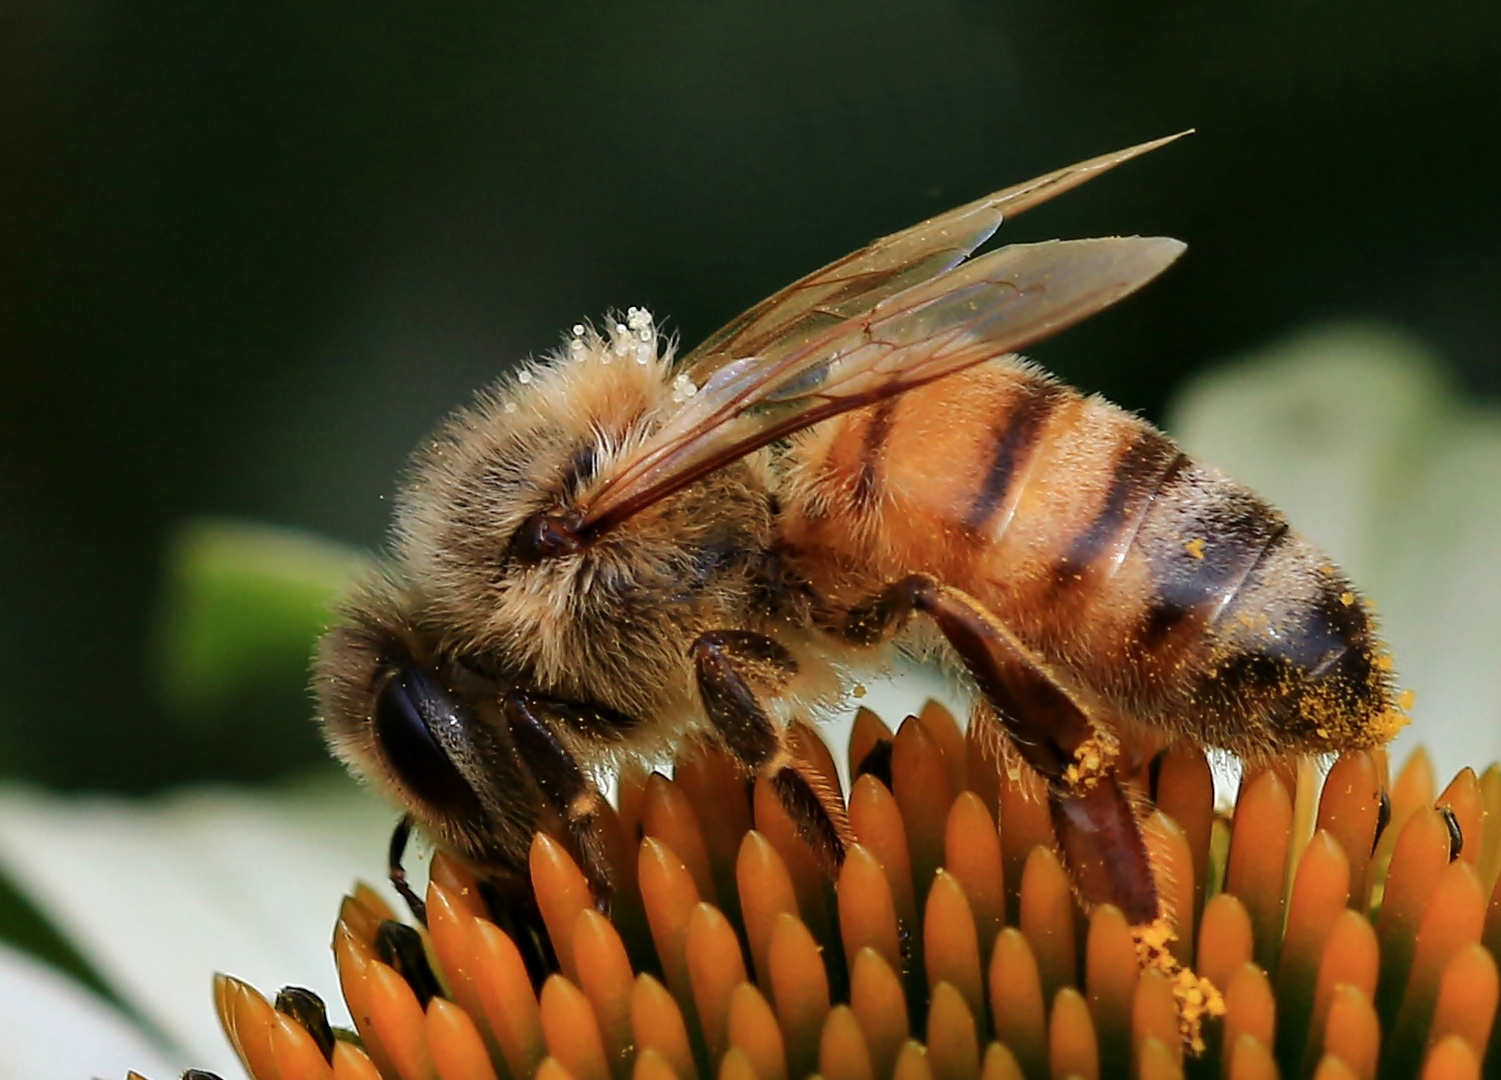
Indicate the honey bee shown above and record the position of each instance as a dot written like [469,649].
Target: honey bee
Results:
[614,550]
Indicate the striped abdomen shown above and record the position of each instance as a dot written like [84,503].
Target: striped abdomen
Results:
[1168,594]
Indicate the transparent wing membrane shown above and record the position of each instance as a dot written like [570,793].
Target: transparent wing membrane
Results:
[908,309]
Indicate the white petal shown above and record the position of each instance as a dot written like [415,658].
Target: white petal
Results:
[159,895]
[1440,596]
[51,1027]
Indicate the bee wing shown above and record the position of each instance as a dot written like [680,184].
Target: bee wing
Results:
[981,309]
[854,284]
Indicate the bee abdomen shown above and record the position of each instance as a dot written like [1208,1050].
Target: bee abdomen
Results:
[1171,594]
[1254,638]
[1148,462]
[1296,655]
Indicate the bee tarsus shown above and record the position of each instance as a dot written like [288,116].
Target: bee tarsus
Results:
[397,872]
[731,665]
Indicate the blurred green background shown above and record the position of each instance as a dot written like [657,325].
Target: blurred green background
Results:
[250,253]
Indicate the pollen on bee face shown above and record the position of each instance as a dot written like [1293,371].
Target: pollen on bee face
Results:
[1327,936]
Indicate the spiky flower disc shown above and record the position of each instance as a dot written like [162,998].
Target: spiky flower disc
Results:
[950,946]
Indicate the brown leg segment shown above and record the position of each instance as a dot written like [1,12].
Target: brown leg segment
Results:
[532,719]
[1098,834]
[398,873]
[732,666]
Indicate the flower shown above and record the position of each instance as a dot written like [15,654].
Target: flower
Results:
[1345,931]
[153,896]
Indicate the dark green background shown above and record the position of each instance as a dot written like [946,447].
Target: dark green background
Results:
[249,253]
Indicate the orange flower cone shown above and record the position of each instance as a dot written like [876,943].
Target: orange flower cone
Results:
[1325,934]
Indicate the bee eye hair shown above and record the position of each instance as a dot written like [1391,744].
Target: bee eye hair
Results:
[422,729]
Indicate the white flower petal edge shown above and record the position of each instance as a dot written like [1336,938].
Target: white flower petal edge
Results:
[160,894]
[1354,432]
[52,1028]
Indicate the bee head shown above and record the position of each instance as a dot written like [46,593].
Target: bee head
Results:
[425,731]
[487,529]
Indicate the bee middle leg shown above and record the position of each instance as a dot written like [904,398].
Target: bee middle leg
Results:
[533,720]
[732,666]
[1097,831]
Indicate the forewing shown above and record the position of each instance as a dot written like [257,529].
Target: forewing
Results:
[851,286]
[987,307]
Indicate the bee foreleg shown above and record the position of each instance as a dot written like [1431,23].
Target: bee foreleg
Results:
[563,785]
[398,873]
[732,665]
[1098,834]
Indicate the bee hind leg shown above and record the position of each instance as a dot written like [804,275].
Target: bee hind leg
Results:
[565,788]
[734,669]
[1097,831]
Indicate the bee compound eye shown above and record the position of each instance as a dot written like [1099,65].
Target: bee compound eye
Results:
[421,727]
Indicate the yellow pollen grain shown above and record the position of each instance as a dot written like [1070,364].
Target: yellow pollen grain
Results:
[1196,998]
[1091,761]
[1347,598]
[1195,547]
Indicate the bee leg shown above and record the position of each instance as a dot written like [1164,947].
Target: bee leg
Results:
[533,719]
[732,666]
[1098,834]
[398,873]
